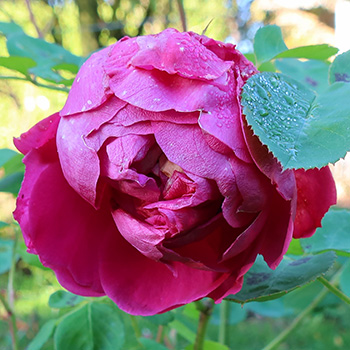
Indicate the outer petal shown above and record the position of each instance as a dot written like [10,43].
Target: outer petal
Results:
[80,163]
[147,287]
[178,53]
[316,193]
[38,135]
[59,225]
[90,87]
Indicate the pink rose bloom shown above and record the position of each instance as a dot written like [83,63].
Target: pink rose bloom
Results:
[149,187]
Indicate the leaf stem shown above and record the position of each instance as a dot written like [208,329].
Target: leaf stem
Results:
[282,336]
[224,313]
[331,287]
[51,87]
[205,308]
[9,305]
[135,325]
[182,15]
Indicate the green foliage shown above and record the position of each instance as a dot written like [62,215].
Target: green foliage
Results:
[262,283]
[301,128]
[61,299]
[13,168]
[320,111]
[6,248]
[269,45]
[340,68]
[333,235]
[36,58]
[43,335]
[92,327]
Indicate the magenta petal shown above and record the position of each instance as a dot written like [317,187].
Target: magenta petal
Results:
[80,163]
[178,53]
[316,193]
[90,87]
[147,287]
[59,226]
[38,135]
[278,230]
[140,235]
[269,166]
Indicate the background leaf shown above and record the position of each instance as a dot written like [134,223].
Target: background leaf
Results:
[6,247]
[345,279]
[340,68]
[301,129]
[268,43]
[333,235]
[42,336]
[261,283]
[61,299]
[92,327]
[315,52]
[312,73]
[149,344]
[20,64]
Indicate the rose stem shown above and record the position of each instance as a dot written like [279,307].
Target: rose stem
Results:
[182,14]
[135,325]
[334,290]
[159,335]
[224,313]
[282,336]
[205,309]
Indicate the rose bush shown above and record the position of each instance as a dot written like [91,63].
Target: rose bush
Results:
[150,188]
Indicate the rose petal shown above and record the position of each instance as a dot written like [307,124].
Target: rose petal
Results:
[155,287]
[38,135]
[178,53]
[316,193]
[80,163]
[90,87]
[59,225]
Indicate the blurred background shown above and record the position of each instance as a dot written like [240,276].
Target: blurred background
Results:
[83,26]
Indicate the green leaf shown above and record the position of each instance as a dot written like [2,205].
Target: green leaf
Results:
[11,183]
[92,327]
[183,330]
[261,283]
[345,279]
[6,247]
[315,52]
[301,129]
[5,155]
[333,235]
[14,164]
[42,336]
[312,73]
[3,224]
[47,57]
[149,344]
[10,28]
[295,248]
[340,68]
[19,64]
[268,43]
[30,259]
[61,299]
